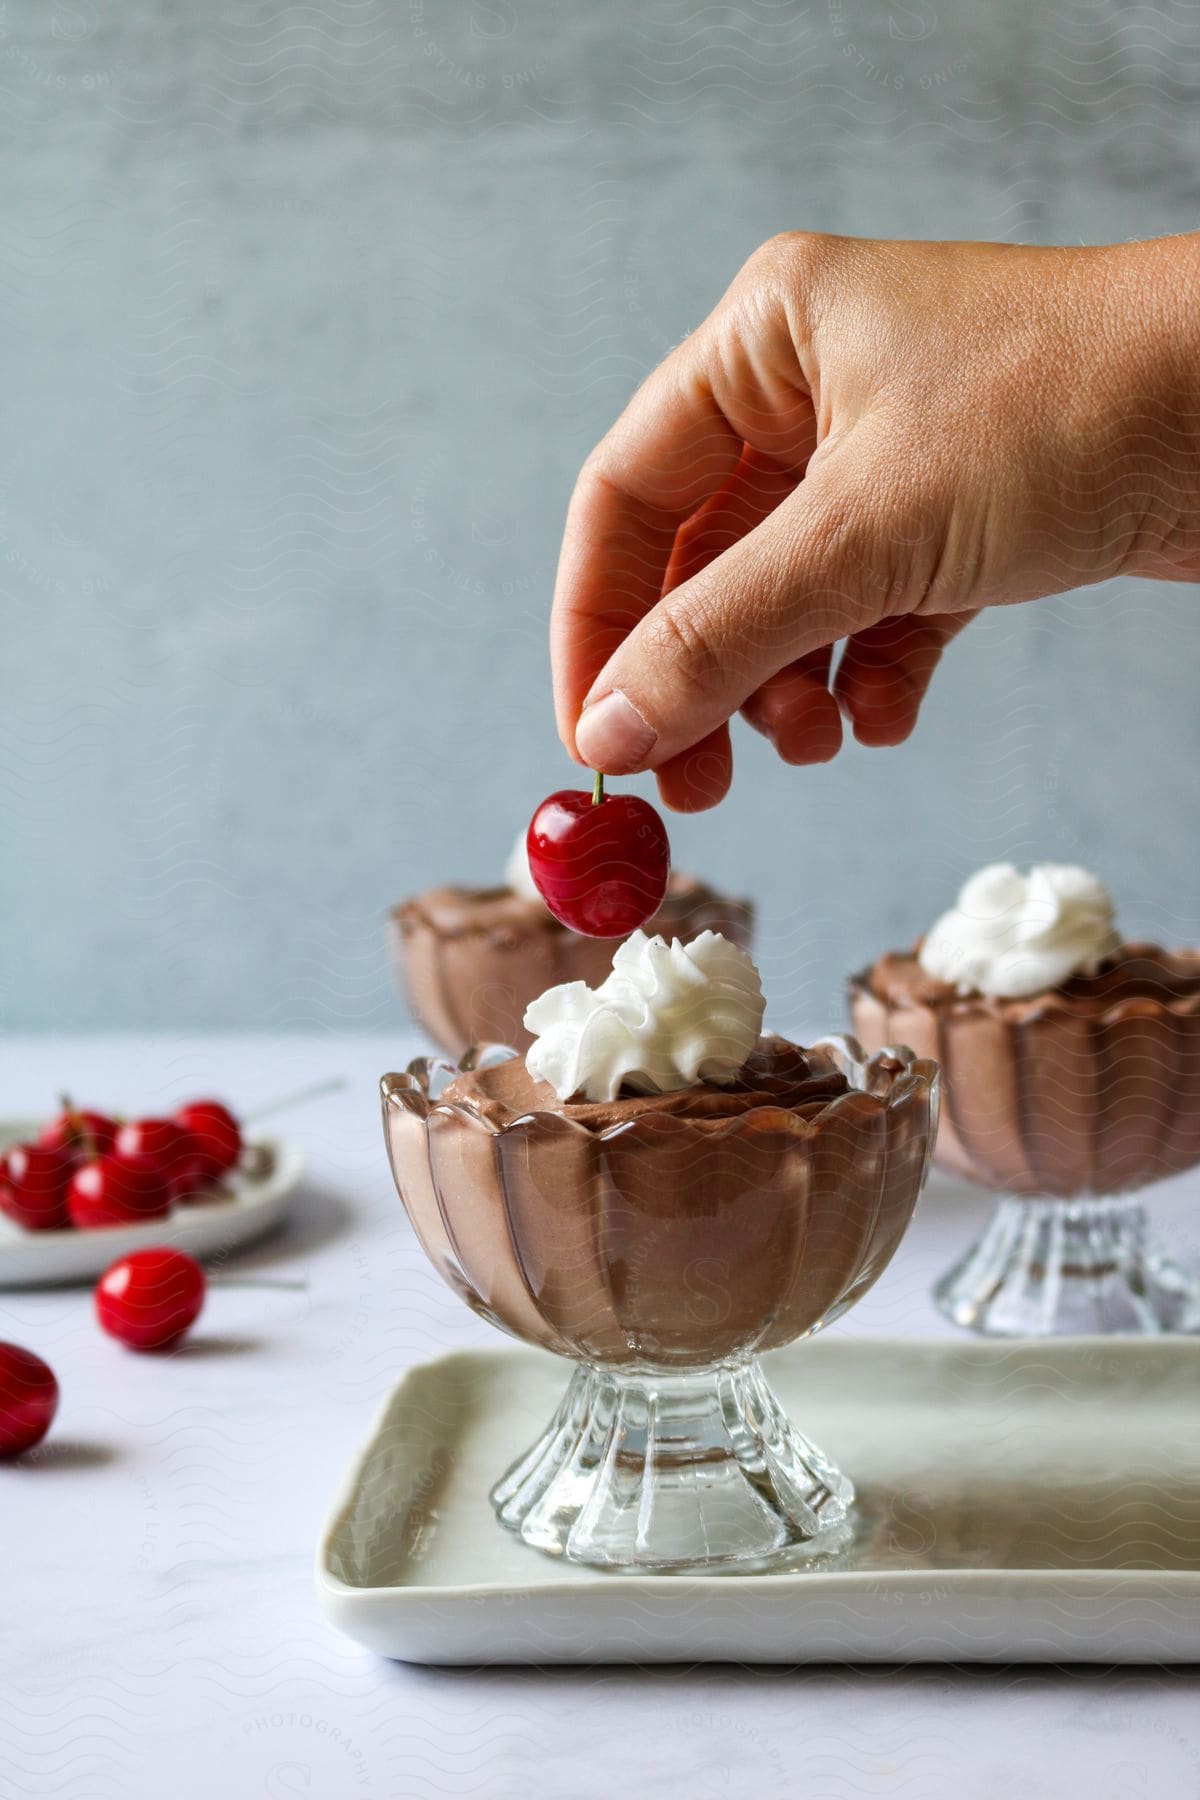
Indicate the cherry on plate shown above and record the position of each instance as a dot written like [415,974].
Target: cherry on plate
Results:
[28,1399]
[216,1131]
[173,1147]
[150,1298]
[81,1132]
[118,1190]
[600,861]
[34,1181]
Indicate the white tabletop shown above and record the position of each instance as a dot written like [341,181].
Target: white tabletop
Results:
[160,1631]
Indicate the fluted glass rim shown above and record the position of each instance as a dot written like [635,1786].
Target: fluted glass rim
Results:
[1031,1009]
[893,1076]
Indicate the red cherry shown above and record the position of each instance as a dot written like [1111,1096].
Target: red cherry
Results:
[118,1190]
[149,1298]
[177,1150]
[28,1399]
[80,1132]
[33,1186]
[599,863]
[217,1131]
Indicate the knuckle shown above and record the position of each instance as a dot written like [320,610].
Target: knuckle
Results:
[786,279]
[839,529]
[678,640]
[596,468]
[838,550]
[790,256]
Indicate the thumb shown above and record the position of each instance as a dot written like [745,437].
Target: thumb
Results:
[791,586]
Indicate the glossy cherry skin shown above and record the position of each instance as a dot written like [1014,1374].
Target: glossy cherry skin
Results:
[82,1133]
[217,1132]
[170,1144]
[28,1399]
[149,1298]
[34,1180]
[600,866]
[118,1190]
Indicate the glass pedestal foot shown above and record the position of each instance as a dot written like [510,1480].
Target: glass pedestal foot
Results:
[681,1470]
[1048,1268]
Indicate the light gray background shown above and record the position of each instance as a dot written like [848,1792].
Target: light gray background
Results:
[307,317]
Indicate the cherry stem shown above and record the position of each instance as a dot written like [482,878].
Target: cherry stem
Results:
[75,1117]
[250,1281]
[598,789]
[332,1085]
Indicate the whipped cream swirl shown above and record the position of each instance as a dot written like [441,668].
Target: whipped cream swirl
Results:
[516,871]
[1011,935]
[668,1016]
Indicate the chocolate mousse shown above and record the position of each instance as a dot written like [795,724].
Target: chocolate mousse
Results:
[472,959]
[776,1074]
[1136,972]
[1088,1087]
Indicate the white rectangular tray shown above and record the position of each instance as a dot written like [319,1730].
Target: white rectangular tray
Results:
[1033,1502]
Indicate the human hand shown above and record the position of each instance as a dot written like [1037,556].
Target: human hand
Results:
[868,441]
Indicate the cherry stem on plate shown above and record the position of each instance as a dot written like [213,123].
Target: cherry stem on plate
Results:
[332,1085]
[79,1126]
[265,1281]
[598,789]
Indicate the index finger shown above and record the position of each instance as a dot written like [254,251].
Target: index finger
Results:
[670,450]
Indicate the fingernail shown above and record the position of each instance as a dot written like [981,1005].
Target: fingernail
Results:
[613,736]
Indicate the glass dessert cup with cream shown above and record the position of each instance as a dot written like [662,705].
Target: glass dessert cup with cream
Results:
[660,1242]
[1067,1101]
[470,960]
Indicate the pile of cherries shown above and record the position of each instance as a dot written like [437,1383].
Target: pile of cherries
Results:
[87,1170]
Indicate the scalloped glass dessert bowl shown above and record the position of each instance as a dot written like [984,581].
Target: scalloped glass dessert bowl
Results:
[1067,1104]
[661,1256]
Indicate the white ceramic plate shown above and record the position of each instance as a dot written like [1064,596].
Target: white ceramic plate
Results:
[1030,1502]
[205,1228]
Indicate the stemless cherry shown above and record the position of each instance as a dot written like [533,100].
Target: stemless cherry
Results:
[118,1190]
[149,1298]
[600,861]
[34,1180]
[81,1132]
[170,1144]
[28,1399]
[217,1133]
